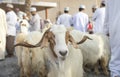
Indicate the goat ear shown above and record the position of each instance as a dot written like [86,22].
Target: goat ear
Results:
[70,38]
[73,41]
[44,41]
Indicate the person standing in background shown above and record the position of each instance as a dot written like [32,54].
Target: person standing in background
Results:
[90,24]
[19,13]
[3,32]
[112,28]
[11,18]
[65,19]
[94,8]
[35,20]
[98,19]
[80,20]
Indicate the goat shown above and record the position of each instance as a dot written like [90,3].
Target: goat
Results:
[94,50]
[62,58]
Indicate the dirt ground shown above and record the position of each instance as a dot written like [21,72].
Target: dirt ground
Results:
[9,68]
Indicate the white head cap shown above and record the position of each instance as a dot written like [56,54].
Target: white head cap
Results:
[10,6]
[33,9]
[66,9]
[82,6]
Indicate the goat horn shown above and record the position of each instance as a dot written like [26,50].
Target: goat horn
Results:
[25,44]
[84,39]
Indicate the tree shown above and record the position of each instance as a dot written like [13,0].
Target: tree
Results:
[27,7]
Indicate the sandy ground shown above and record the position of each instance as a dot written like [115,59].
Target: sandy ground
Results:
[9,68]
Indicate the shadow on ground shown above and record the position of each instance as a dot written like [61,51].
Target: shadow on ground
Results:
[9,68]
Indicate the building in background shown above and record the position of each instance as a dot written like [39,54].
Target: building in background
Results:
[73,4]
[53,13]
[41,6]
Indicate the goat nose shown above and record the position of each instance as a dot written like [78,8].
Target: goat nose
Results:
[63,53]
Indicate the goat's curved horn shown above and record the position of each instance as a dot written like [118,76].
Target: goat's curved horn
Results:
[84,39]
[25,44]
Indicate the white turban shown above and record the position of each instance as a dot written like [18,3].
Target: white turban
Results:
[66,9]
[82,6]
[33,9]
[10,6]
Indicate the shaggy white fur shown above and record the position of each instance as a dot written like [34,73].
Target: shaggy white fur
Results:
[95,49]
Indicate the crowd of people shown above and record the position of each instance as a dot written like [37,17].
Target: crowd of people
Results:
[80,21]
[13,17]
[105,20]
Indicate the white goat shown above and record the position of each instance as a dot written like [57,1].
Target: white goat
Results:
[30,58]
[61,58]
[24,54]
[94,50]
[22,32]
[22,26]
